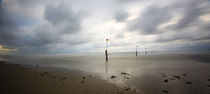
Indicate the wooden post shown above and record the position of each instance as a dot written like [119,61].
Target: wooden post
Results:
[136,50]
[106,53]
[136,53]
[146,51]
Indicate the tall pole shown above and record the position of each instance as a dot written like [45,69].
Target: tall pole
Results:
[106,52]
[136,50]
[146,51]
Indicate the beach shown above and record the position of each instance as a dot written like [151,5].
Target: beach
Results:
[124,73]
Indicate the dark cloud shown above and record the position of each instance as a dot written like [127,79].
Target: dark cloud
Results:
[121,16]
[191,11]
[64,18]
[150,19]
[153,16]
[62,22]
[8,35]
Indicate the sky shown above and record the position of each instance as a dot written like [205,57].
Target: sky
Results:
[81,26]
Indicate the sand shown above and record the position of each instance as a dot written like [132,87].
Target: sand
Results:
[28,79]
[174,73]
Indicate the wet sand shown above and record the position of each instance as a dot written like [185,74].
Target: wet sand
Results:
[175,73]
[28,79]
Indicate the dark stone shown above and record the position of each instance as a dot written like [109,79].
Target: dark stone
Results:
[178,77]
[125,73]
[83,77]
[113,77]
[166,81]
[188,82]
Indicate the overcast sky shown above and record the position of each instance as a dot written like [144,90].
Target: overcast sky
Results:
[81,26]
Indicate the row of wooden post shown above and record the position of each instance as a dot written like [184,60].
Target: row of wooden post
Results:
[106,51]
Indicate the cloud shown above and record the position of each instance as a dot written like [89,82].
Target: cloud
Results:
[63,17]
[62,26]
[61,20]
[192,10]
[150,19]
[154,15]
[8,35]
[121,15]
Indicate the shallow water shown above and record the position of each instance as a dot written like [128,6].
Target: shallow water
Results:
[145,71]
